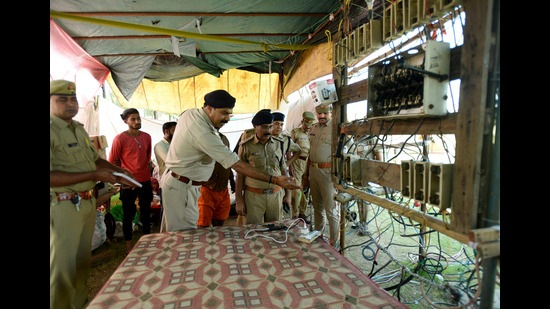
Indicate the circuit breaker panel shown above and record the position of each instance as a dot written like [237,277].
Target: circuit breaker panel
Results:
[411,84]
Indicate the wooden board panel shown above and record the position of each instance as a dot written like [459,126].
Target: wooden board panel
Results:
[403,125]
[354,93]
[382,173]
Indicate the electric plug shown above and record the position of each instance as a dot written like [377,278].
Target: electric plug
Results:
[303,230]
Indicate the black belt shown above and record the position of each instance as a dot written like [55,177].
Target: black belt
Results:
[186,180]
[302,157]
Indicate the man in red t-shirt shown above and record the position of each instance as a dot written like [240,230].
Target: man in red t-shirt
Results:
[132,150]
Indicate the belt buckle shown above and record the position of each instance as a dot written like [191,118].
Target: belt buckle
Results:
[268,191]
[76,199]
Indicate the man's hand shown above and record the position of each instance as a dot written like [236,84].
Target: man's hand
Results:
[287,182]
[240,207]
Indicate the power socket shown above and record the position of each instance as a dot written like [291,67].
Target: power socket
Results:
[309,237]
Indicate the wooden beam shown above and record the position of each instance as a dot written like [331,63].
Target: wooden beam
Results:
[420,217]
[172,54]
[197,14]
[468,174]
[354,93]
[405,126]
[162,36]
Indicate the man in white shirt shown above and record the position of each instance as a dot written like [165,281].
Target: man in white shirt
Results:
[161,148]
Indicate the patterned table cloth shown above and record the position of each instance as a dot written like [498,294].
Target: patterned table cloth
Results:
[218,268]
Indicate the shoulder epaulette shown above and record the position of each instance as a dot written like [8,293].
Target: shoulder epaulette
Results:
[247,133]
[246,140]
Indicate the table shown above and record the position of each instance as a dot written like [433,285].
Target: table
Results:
[217,267]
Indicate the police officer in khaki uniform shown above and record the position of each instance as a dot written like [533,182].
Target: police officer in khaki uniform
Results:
[258,200]
[75,167]
[245,136]
[300,136]
[290,149]
[289,146]
[318,174]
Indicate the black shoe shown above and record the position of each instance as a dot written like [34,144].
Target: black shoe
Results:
[304,218]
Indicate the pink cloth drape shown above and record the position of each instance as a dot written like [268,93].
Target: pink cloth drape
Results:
[70,62]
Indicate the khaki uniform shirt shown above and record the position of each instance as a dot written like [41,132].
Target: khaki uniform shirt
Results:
[71,151]
[268,158]
[301,138]
[288,144]
[320,138]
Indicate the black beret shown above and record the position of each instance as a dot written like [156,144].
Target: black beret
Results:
[278,116]
[262,117]
[219,99]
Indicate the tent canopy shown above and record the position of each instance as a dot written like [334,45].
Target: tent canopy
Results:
[172,40]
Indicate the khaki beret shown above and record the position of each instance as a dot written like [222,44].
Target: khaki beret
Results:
[322,109]
[308,118]
[62,87]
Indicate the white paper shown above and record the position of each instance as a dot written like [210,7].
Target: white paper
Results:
[127,178]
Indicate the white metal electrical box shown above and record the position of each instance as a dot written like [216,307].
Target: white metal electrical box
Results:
[440,180]
[411,84]
[437,59]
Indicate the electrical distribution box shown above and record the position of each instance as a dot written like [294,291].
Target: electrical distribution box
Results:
[411,84]
[352,169]
[440,180]
[420,180]
[406,178]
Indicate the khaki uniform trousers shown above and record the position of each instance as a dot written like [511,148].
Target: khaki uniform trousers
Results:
[299,201]
[71,233]
[322,198]
[261,208]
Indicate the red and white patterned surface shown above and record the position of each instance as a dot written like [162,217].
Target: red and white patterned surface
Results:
[218,268]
